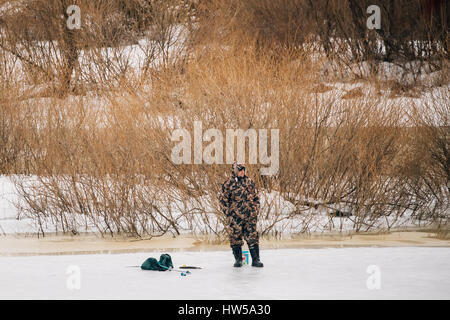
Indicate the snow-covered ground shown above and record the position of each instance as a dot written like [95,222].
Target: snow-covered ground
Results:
[349,273]
[8,212]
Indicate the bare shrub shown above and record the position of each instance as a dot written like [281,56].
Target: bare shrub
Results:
[429,157]
[66,61]
[411,31]
[101,161]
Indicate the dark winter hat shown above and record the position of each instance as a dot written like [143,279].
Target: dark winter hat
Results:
[237,167]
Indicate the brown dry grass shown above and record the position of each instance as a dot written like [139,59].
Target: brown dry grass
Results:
[99,150]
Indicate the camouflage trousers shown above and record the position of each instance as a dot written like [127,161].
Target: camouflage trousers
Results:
[240,227]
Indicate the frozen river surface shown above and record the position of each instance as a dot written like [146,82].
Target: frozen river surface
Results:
[332,273]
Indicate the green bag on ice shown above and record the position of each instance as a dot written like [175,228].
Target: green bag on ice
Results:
[164,263]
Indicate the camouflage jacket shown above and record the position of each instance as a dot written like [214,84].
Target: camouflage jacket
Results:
[239,196]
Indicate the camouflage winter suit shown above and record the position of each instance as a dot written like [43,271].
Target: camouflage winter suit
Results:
[240,202]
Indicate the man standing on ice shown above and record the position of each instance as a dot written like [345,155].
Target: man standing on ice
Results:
[239,201]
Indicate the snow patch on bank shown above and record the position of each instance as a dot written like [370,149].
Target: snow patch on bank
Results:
[283,224]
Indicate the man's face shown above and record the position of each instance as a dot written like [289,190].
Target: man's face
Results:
[241,173]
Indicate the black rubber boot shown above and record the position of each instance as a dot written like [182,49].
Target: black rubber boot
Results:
[237,252]
[254,252]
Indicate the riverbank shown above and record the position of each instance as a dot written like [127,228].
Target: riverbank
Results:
[19,245]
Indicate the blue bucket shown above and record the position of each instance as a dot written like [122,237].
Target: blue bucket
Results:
[245,257]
